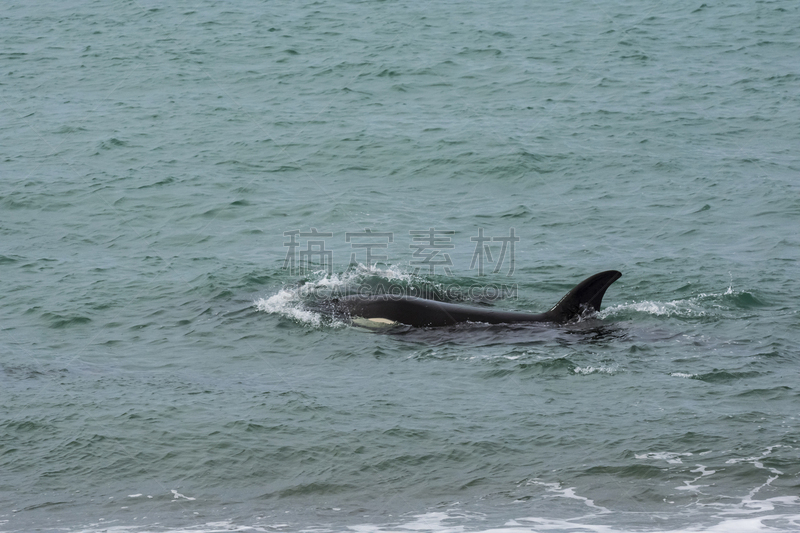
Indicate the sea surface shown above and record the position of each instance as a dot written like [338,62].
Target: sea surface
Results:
[183,184]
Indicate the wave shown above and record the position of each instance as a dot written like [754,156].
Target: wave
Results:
[713,305]
[287,302]
[296,302]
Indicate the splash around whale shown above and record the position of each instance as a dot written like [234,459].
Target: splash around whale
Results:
[385,309]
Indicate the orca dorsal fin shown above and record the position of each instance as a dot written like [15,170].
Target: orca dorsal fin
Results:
[586,296]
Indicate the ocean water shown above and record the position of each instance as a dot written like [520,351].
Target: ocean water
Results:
[182,183]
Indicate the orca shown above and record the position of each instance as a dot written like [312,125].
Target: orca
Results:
[386,309]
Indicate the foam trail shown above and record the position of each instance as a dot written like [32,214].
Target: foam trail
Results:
[288,303]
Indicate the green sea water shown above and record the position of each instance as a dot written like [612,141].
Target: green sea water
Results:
[167,169]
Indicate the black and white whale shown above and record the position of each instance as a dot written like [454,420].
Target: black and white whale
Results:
[388,309]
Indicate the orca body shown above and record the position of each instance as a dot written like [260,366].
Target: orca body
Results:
[386,309]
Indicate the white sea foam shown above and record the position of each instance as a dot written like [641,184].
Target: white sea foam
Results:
[756,461]
[680,308]
[774,514]
[289,301]
[289,304]
[568,493]
[448,522]
[177,496]
[696,306]
[586,370]
[690,486]
[670,457]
